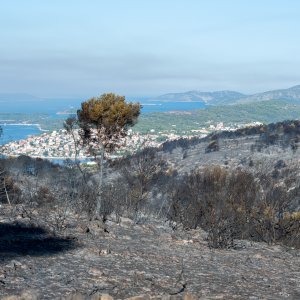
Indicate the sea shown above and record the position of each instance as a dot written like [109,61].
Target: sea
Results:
[14,132]
[17,132]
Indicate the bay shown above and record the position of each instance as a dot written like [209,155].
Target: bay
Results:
[19,131]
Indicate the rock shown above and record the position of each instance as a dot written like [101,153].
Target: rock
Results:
[165,236]
[110,223]
[98,296]
[189,296]
[26,295]
[141,297]
[169,297]
[2,275]
[106,297]
[104,251]
[95,272]
[75,296]
[14,264]
[29,295]
[126,222]
[11,298]
[96,227]
[186,296]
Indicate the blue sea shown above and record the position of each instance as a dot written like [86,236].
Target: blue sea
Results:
[17,132]
[51,107]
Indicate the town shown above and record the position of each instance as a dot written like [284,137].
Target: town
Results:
[60,145]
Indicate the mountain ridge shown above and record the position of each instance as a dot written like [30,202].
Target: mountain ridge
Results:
[292,93]
[216,97]
[213,98]
[228,97]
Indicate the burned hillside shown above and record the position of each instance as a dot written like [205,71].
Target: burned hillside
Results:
[225,192]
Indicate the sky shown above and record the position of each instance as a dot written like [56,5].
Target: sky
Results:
[83,48]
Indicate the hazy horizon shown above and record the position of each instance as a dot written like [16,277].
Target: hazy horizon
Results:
[79,49]
[136,97]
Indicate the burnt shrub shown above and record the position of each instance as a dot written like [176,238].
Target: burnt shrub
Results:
[290,227]
[9,189]
[213,146]
[140,174]
[183,143]
[268,214]
[280,164]
[217,200]
[44,197]
[285,134]
[235,204]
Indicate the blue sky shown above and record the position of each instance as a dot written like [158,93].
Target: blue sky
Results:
[73,48]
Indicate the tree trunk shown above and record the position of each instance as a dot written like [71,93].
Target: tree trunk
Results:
[77,163]
[6,193]
[99,198]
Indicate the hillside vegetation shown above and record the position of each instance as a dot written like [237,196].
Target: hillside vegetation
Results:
[264,112]
[185,121]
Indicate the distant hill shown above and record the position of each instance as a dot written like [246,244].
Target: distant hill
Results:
[290,94]
[22,103]
[263,112]
[231,97]
[209,98]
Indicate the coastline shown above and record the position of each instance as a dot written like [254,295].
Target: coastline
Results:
[25,124]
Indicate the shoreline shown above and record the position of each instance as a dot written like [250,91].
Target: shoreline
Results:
[25,124]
